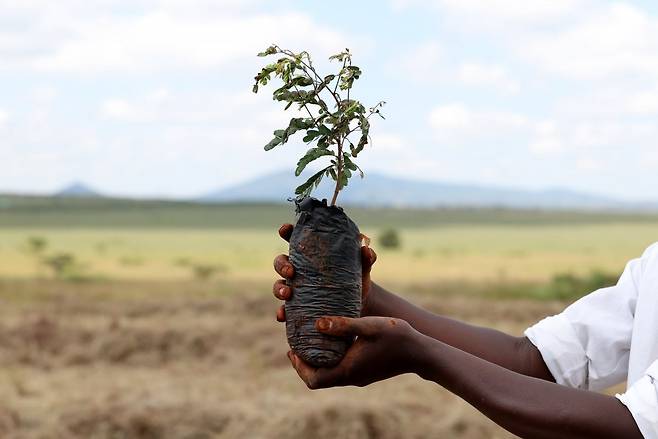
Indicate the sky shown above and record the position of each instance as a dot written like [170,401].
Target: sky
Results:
[153,97]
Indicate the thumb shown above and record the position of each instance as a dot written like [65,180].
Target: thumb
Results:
[368,258]
[346,326]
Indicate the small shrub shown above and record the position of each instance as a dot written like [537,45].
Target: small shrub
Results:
[64,266]
[36,245]
[390,239]
[206,271]
[131,261]
[182,262]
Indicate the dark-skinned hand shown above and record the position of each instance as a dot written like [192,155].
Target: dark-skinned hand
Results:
[285,269]
[385,347]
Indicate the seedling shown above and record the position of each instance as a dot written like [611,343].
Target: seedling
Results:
[337,125]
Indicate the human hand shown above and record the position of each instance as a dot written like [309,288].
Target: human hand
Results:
[385,347]
[285,269]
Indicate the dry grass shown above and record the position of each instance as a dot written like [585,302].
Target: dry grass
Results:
[188,360]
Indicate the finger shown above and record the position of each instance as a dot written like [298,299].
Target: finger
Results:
[368,258]
[316,378]
[345,326]
[281,314]
[283,266]
[304,371]
[281,290]
[285,231]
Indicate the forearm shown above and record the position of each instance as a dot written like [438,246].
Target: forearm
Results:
[513,353]
[525,406]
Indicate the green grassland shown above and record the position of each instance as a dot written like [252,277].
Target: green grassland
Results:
[164,240]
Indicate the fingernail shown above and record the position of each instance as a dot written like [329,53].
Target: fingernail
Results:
[281,291]
[324,324]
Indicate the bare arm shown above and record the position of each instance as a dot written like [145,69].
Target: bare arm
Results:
[517,354]
[526,406]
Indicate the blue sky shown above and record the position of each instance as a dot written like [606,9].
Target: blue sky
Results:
[152,97]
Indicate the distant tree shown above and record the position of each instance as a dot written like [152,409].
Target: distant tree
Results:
[63,265]
[203,271]
[390,238]
[36,245]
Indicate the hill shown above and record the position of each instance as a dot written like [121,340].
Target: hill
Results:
[77,190]
[379,190]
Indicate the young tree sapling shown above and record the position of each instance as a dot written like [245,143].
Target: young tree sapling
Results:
[337,124]
[325,246]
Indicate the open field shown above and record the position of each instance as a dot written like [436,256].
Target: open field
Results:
[135,343]
[186,360]
[428,255]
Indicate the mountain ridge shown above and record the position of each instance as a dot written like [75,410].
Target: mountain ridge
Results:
[380,190]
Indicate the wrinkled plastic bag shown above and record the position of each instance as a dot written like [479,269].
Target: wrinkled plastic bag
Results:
[325,249]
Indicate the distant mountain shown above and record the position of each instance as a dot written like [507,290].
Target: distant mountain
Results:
[77,190]
[387,191]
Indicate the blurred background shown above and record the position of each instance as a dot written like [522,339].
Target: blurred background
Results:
[514,173]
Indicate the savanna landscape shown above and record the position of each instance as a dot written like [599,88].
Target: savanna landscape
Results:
[140,319]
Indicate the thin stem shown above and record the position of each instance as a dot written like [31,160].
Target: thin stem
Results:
[339,174]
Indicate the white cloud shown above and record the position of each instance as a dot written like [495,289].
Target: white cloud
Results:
[4,117]
[589,164]
[454,120]
[388,142]
[494,76]
[427,63]
[159,40]
[642,103]
[43,94]
[422,63]
[617,39]
[511,10]
[546,139]
[496,13]
[76,38]
[197,107]
[450,117]
[123,110]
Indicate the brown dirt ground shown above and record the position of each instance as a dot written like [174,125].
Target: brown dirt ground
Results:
[188,360]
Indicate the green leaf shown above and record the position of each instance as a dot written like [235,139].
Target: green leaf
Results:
[343,180]
[349,164]
[310,135]
[274,142]
[269,51]
[255,88]
[306,188]
[296,124]
[311,154]
[324,130]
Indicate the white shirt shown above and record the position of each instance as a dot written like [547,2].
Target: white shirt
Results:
[609,336]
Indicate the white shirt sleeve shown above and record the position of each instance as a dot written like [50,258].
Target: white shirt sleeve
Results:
[641,399]
[587,346]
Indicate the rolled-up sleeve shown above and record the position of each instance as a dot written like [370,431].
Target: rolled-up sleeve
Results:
[587,346]
[641,399]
